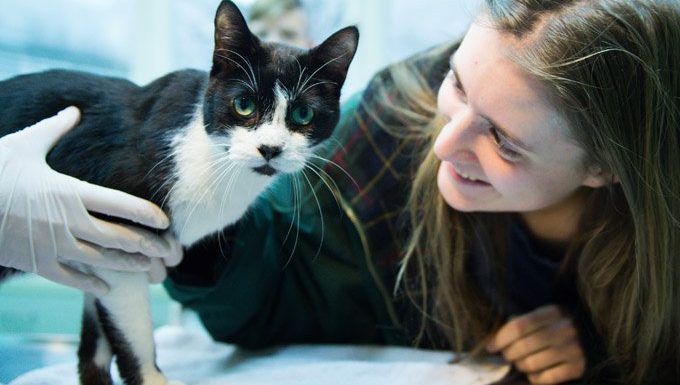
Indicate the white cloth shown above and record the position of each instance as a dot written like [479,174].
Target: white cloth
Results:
[193,358]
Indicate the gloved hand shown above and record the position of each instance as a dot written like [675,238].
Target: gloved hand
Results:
[45,225]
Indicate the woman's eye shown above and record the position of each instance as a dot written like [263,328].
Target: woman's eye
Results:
[302,115]
[243,106]
[504,147]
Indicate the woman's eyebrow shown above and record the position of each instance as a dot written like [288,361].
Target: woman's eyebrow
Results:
[452,65]
[511,138]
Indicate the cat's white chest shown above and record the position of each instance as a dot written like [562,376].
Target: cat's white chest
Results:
[192,221]
[210,192]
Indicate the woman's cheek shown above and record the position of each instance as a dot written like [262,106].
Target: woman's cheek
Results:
[505,178]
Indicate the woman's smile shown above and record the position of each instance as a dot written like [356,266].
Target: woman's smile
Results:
[461,177]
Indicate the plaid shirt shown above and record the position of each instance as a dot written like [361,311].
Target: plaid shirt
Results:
[382,166]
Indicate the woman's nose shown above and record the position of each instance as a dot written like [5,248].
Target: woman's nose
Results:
[458,134]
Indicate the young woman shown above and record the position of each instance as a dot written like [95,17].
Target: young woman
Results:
[526,205]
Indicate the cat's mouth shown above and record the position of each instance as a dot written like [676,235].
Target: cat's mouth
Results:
[265,169]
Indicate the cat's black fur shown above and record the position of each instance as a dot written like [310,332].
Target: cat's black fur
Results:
[122,127]
[123,140]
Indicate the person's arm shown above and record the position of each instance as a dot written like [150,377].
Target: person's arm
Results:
[45,223]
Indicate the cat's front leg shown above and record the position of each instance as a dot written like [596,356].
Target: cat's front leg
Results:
[125,316]
[94,352]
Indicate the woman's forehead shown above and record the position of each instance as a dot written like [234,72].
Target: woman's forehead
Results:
[497,88]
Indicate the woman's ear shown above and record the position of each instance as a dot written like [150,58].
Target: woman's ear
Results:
[598,177]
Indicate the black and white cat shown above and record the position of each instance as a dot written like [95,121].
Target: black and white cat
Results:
[201,146]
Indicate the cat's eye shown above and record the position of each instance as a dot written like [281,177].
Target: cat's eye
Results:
[243,106]
[302,115]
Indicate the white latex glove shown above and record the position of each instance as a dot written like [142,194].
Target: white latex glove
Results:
[45,227]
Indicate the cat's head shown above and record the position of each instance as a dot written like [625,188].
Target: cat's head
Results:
[268,104]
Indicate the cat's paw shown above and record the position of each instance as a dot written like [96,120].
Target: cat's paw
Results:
[157,378]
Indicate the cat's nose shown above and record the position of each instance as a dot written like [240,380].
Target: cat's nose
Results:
[269,152]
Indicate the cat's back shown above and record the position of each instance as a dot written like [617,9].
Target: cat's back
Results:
[26,99]
[123,128]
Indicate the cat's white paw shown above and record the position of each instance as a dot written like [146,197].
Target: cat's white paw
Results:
[157,378]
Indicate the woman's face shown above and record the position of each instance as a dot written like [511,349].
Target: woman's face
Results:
[504,148]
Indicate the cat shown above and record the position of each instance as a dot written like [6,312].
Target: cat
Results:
[202,146]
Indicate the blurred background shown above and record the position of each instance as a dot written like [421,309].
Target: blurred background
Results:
[144,39]
[141,40]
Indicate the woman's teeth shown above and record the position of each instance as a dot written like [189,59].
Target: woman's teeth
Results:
[464,175]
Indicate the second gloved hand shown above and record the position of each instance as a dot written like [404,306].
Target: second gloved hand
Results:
[45,226]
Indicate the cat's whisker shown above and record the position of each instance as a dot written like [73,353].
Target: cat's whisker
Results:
[322,176]
[218,157]
[259,78]
[187,219]
[209,188]
[322,171]
[316,84]
[318,204]
[285,89]
[354,182]
[292,223]
[208,168]
[320,68]
[296,213]
[163,159]
[247,62]
[167,194]
[245,83]
[222,169]
[252,80]
[222,147]
[301,72]
[226,196]
[157,189]
[339,145]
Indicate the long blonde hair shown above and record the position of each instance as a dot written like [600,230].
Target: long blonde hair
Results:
[614,69]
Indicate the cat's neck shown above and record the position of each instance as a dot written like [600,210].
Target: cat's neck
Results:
[208,193]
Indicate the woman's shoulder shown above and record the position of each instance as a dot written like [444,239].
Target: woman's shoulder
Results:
[424,70]
[398,97]
[431,63]
[375,132]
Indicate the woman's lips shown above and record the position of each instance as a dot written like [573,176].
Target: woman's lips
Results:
[460,177]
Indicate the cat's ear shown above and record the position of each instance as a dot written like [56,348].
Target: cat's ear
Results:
[335,54]
[232,37]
